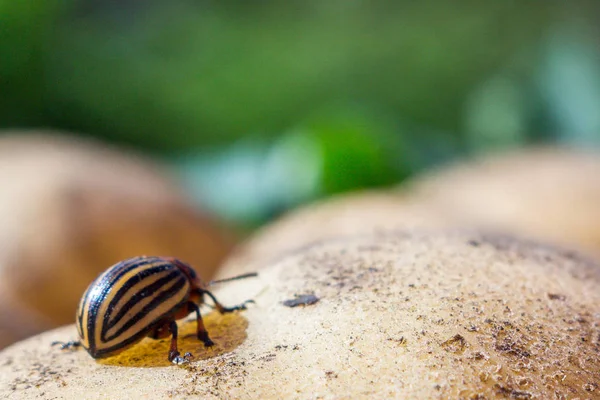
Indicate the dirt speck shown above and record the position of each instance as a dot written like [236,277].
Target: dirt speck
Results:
[38,375]
[330,375]
[456,344]
[508,346]
[556,296]
[511,393]
[590,387]
[401,341]
[301,300]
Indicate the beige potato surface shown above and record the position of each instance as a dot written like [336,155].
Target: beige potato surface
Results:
[69,209]
[411,316]
[549,193]
[368,211]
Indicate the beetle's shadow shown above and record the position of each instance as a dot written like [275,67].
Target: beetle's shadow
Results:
[227,331]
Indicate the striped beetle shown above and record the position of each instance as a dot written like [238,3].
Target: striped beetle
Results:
[142,296]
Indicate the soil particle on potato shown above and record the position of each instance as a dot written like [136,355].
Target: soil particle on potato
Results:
[455,344]
[511,393]
[301,300]
[330,375]
[556,296]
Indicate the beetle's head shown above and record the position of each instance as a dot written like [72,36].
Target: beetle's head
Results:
[195,280]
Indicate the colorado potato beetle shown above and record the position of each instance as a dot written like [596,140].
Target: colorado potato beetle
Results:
[142,296]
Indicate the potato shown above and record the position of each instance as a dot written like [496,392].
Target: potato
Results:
[368,211]
[69,209]
[552,194]
[410,316]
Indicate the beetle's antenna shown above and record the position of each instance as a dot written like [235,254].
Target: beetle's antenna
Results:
[235,278]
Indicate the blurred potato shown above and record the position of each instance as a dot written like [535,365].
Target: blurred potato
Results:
[407,316]
[368,211]
[69,209]
[550,194]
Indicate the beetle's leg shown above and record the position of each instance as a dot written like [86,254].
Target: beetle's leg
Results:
[224,310]
[200,329]
[71,345]
[167,329]
[174,356]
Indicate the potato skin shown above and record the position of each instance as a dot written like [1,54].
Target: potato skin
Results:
[360,212]
[440,315]
[548,193]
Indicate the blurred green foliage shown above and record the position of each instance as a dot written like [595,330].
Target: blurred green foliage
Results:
[263,105]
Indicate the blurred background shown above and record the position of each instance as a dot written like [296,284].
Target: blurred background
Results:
[237,96]
[258,107]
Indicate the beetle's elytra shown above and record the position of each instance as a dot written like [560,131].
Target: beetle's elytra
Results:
[138,297]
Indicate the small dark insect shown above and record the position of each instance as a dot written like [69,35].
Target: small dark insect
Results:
[143,296]
[301,300]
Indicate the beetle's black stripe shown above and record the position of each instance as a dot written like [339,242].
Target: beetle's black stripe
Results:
[144,274]
[94,305]
[81,310]
[156,301]
[110,320]
[133,263]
